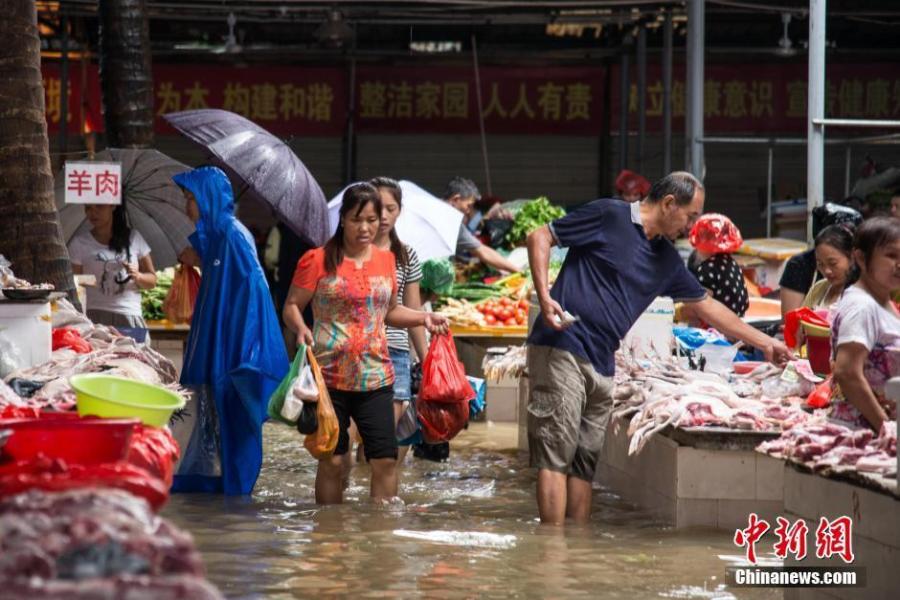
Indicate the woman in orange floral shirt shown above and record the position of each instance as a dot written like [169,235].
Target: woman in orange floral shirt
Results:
[353,289]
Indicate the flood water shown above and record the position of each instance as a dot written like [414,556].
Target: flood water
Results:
[468,529]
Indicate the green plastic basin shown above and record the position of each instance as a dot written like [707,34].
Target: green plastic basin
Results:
[108,396]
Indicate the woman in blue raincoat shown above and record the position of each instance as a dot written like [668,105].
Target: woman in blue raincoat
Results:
[235,355]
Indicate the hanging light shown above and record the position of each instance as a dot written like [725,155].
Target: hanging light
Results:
[785,46]
[334,32]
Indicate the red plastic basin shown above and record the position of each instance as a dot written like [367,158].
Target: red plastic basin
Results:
[78,440]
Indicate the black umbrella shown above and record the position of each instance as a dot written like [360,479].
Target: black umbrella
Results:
[263,167]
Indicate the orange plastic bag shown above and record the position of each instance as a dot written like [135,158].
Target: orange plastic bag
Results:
[443,376]
[715,234]
[179,302]
[322,443]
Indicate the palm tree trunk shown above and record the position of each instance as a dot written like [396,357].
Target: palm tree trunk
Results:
[126,79]
[30,235]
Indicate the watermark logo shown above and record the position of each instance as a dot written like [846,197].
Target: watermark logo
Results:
[832,538]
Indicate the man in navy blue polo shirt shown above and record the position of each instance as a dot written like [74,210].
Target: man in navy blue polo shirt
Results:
[620,259]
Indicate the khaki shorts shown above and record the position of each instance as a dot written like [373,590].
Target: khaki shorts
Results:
[568,410]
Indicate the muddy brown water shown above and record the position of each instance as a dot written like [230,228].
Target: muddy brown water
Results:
[467,529]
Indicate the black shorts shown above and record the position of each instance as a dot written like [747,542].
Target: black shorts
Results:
[373,413]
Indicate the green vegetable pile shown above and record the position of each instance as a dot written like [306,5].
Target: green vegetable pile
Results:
[533,215]
[474,292]
[438,275]
[152,300]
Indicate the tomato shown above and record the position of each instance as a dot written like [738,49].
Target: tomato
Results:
[490,319]
[521,315]
[523,305]
[505,301]
[520,321]
[480,308]
[510,322]
[505,314]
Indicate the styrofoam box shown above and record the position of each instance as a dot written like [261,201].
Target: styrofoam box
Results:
[652,333]
[28,326]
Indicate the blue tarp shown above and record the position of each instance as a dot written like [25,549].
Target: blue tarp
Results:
[235,355]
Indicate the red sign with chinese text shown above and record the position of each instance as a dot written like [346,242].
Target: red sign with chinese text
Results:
[559,100]
[762,98]
[83,95]
[311,101]
[284,100]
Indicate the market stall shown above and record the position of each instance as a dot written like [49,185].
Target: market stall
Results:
[681,441]
[168,320]
[86,460]
[833,473]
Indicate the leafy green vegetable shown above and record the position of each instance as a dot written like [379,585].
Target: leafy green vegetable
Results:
[438,275]
[152,300]
[531,216]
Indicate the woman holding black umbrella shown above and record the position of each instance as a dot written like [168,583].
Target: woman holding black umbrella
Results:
[352,285]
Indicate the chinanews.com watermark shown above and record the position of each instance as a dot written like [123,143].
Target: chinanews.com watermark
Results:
[832,538]
[799,577]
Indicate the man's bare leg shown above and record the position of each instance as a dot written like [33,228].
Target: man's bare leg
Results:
[578,499]
[551,496]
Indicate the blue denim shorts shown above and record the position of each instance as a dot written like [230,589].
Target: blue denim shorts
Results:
[402,389]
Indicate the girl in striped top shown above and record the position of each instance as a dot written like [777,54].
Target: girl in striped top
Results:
[409,273]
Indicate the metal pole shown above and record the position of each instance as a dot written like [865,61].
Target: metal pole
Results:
[624,92]
[847,160]
[769,192]
[815,149]
[642,94]
[64,88]
[605,141]
[484,148]
[667,92]
[695,43]
[350,141]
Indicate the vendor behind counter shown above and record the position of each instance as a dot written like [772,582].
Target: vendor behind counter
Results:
[715,238]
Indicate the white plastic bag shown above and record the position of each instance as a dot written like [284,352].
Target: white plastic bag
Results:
[303,388]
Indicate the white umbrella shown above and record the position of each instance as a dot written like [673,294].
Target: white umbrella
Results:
[427,223]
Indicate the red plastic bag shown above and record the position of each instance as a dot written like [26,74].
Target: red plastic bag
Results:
[821,396]
[179,302]
[54,475]
[443,376]
[441,421]
[154,450]
[65,337]
[715,234]
[792,323]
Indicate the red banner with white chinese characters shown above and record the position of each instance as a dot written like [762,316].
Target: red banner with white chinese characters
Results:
[763,98]
[556,100]
[312,101]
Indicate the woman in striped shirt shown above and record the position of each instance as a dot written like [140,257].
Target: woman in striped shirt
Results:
[409,273]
